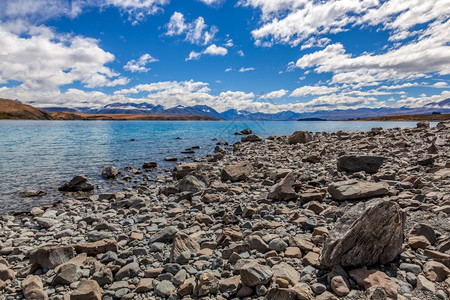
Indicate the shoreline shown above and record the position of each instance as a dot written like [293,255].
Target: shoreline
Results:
[255,218]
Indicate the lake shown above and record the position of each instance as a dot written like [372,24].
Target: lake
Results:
[44,154]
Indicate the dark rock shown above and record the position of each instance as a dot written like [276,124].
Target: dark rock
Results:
[301,137]
[351,163]
[191,183]
[182,170]
[149,165]
[355,241]
[50,257]
[110,173]
[32,193]
[166,234]
[207,284]
[238,172]
[242,132]
[78,184]
[254,274]
[284,189]
[181,243]
[67,274]
[251,138]
[424,230]
[129,270]
[32,288]
[164,288]
[170,158]
[423,124]
[86,290]
[104,276]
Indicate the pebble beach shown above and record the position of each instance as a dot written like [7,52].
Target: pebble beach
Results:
[344,215]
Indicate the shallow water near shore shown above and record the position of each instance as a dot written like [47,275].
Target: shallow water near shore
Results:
[44,154]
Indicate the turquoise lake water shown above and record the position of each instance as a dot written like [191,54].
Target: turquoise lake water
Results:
[44,154]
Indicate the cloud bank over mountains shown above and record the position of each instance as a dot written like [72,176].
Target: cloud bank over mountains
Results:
[408,65]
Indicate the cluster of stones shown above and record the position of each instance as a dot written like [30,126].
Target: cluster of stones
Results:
[361,215]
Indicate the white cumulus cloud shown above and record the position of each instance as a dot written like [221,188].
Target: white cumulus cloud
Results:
[211,2]
[41,59]
[275,94]
[313,90]
[41,10]
[195,32]
[213,50]
[140,65]
[243,69]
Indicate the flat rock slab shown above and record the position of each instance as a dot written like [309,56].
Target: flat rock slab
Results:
[300,137]
[353,163]
[354,189]
[368,233]
[51,256]
[237,172]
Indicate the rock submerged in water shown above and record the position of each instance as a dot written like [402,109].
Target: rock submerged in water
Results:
[32,193]
[354,189]
[170,158]
[352,163]
[368,233]
[243,132]
[110,173]
[78,184]
[149,165]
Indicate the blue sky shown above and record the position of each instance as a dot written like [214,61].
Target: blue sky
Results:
[257,55]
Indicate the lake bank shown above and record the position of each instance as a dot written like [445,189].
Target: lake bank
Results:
[255,219]
[42,155]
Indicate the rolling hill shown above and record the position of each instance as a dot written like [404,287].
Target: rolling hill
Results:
[15,110]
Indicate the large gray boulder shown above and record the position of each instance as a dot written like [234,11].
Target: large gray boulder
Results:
[352,163]
[368,233]
[354,189]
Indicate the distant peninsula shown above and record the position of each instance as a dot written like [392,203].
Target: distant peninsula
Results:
[311,119]
[426,117]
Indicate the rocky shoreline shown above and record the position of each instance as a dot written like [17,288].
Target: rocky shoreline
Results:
[346,215]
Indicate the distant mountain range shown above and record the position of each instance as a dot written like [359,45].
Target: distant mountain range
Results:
[16,110]
[233,114]
[143,109]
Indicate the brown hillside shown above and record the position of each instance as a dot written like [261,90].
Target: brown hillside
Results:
[10,109]
[430,117]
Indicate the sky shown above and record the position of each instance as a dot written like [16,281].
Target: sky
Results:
[255,55]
